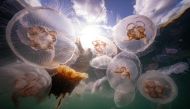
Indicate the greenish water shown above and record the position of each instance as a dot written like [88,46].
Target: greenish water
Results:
[104,99]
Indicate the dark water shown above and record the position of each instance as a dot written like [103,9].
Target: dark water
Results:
[175,35]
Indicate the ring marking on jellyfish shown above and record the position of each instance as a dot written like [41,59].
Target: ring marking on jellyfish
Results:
[155,89]
[99,46]
[136,31]
[41,38]
[124,72]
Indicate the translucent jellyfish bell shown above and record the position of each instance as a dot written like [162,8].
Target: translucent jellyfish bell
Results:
[124,67]
[134,33]
[124,94]
[157,87]
[35,37]
[23,80]
[100,62]
[96,39]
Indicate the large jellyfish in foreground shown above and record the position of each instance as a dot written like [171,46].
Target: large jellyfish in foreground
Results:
[38,36]
[123,68]
[23,80]
[157,87]
[134,33]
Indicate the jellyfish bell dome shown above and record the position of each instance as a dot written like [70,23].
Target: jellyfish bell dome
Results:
[100,62]
[124,94]
[134,33]
[157,87]
[36,38]
[97,40]
[124,67]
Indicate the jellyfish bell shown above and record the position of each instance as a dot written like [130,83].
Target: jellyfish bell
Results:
[23,80]
[124,94]
[100,62]
[124,67]
[134,33]
[94,38]
[157,87]
[36,38]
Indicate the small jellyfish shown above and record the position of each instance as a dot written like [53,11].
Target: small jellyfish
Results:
[157,87]
[124,94]
[100,62]
[124,67]
[134,33]
[23,80]
[37,39]
[97,40]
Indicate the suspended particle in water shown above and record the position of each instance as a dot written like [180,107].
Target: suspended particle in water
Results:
[134,33]
[157,87]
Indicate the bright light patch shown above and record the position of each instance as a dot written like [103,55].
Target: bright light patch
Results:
[88,34]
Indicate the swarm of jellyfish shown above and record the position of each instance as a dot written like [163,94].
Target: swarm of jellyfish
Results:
[24,81]
[157,87]
[123,68]
[36,38]
[134,33]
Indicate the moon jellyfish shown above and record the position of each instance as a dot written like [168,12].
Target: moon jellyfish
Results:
[123,68]
[92,37]
[124,94]
[36,38]
[157,87]
[23,80]
[134,33]
[100,62]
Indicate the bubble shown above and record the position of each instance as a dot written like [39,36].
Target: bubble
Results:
[124,94]
[36,38]
[157,87]
[134,33]
[23,80]
[123,68]
[100,62]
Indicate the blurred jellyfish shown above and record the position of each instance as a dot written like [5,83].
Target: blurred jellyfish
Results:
[23,80]
[36,38]
[180,67]
[134,33]
[123,68]
[97,84]
[157,87]
[94,38]
[100,62]
[124,94]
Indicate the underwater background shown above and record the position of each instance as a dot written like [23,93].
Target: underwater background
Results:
[174,35]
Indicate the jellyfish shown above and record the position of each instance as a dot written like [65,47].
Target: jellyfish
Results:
[180,67]
[94,38]
[100,62]
[36,38]
[134,33]
[124,67]
[23,80]
[124,94]
[157,87]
